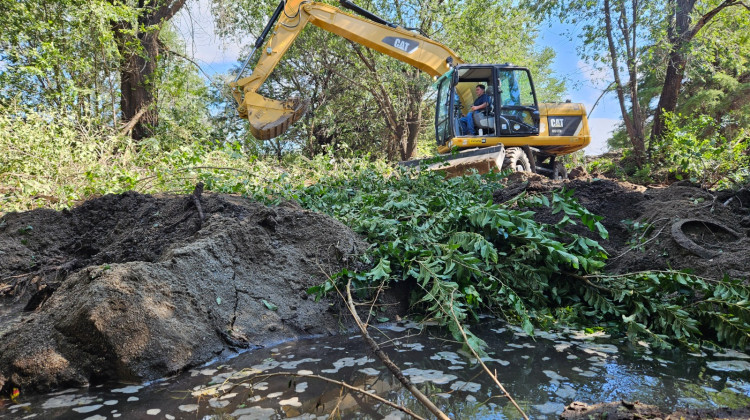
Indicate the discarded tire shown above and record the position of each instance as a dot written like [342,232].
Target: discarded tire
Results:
[703,238]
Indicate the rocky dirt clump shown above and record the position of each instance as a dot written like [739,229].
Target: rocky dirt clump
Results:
[139,287]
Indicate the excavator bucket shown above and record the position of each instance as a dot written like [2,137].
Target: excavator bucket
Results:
[270,118]
[482,160]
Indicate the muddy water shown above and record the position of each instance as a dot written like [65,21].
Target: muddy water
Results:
[543,374]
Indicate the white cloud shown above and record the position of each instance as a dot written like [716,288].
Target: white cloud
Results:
[601,130]
[196,25]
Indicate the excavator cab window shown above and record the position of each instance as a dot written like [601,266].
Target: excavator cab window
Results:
[465,86]
[518,110]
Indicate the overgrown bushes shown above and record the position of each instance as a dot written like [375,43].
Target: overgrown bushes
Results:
[695,148]
[698,148]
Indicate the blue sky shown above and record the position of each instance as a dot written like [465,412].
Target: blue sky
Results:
[585,84]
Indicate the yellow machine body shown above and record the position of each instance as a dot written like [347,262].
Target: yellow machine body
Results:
[548,140]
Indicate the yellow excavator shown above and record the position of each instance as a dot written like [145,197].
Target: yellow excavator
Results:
[513,131]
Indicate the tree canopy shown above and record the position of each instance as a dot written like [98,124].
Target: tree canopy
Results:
[119,64]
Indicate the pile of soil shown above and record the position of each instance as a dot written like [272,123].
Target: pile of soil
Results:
[139,287]
[680,226]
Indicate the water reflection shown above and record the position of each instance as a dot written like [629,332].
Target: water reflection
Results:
[543,374]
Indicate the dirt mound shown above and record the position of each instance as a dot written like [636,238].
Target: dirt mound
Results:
[138,287]
[681,226]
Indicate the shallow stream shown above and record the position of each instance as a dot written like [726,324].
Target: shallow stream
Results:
[543,374]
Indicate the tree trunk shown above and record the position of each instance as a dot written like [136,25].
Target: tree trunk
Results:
[136,86]
[670,91]
[681,34]
[139,51]
[408,141]
[635,135]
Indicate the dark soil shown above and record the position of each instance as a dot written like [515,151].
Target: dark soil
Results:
[138,287]
[681,226]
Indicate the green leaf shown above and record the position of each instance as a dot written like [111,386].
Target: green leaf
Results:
[269,305]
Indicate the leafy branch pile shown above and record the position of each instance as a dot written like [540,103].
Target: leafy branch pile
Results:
[672,306]
[466,255]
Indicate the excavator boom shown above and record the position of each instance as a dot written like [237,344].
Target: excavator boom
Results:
[269,117]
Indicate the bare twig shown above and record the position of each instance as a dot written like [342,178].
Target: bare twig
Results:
[429,405]
[133,121]
[19,275]
[640,244]
[588,282]
[604,92]
[197,201]
[338,404]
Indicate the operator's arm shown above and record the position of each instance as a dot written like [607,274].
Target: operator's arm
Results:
[482,102]
[478,107]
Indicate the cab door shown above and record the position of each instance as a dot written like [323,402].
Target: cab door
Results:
[443,112]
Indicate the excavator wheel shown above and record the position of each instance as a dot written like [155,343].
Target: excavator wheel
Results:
[516,160]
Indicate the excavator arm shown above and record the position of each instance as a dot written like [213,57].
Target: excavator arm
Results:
[269,117]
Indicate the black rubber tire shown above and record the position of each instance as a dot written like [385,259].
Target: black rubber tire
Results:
[516,160]
[559,172]
[684,241]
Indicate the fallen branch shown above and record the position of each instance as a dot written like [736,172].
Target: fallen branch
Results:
[347,386]
[429,405]
[133,121]
[486,369]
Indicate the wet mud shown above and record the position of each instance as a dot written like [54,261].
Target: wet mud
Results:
[136,287]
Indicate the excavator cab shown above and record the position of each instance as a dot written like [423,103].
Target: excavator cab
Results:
[512,112]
